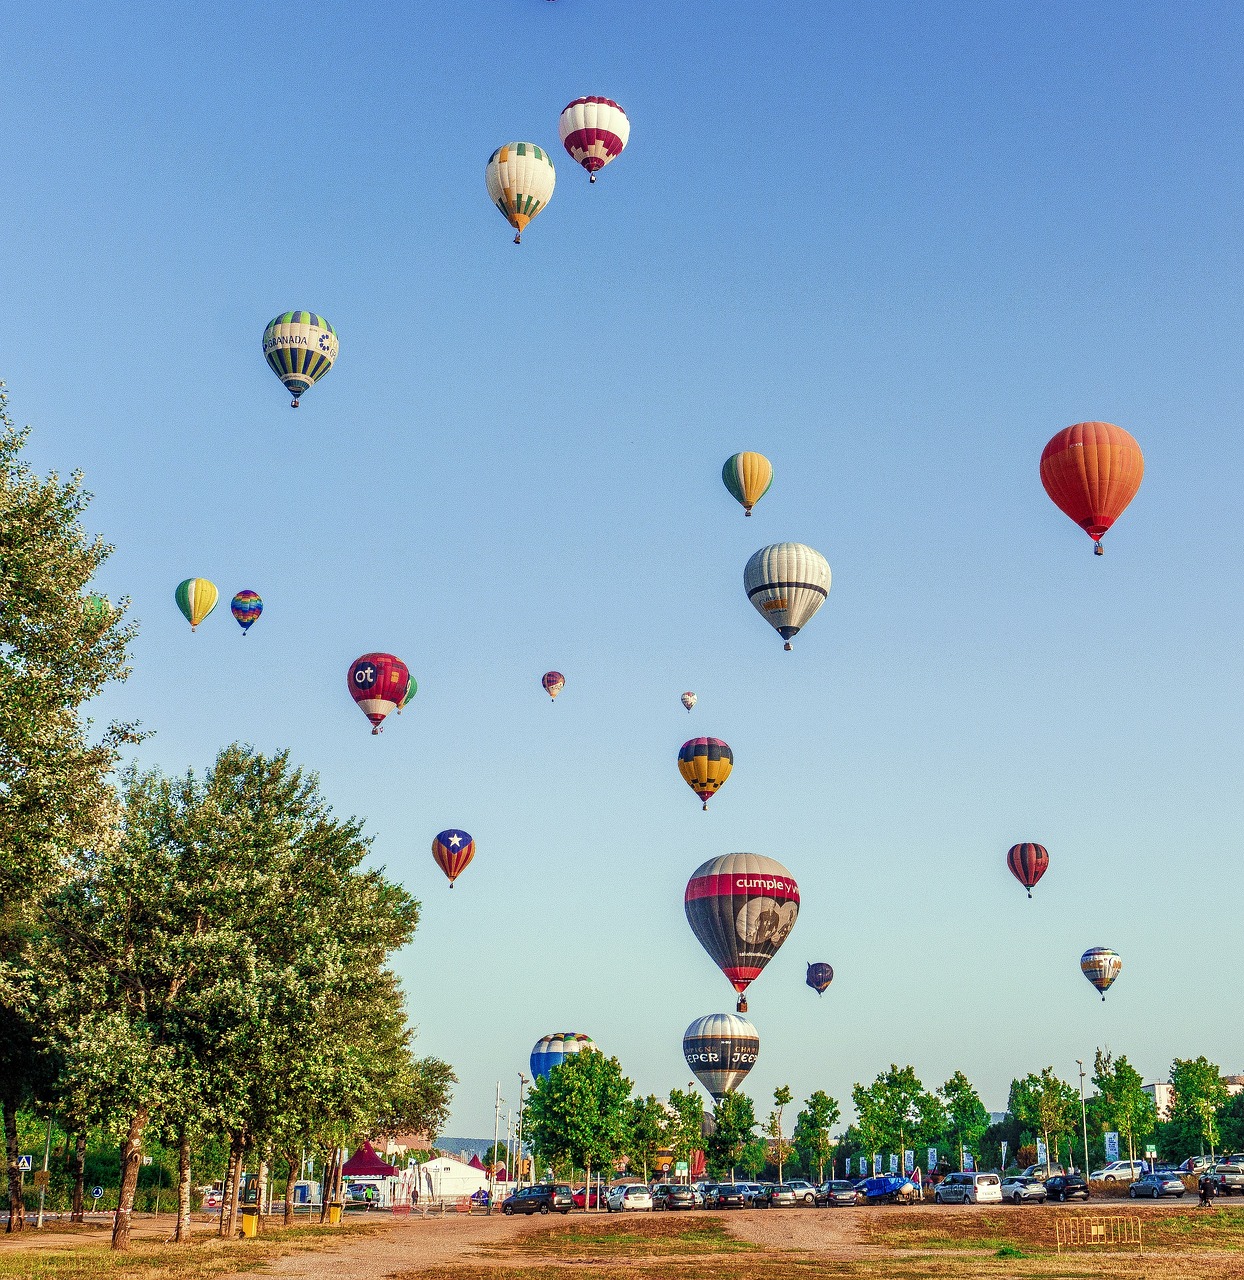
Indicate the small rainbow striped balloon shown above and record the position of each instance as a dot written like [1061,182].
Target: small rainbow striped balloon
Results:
[246,607]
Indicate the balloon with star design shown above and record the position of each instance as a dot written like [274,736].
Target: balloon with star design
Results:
[453,851]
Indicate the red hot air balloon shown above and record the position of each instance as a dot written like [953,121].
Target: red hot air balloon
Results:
[741,907]
[1028,863]
[1091,472]
[378,683]
[554,682]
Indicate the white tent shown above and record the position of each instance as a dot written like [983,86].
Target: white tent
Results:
[446,1179]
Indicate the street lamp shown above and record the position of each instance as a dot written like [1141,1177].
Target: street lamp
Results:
[1083,1117]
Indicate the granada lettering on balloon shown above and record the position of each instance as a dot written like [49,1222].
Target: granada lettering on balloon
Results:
[285,340]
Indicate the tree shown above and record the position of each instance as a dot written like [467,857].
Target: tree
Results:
[896,1108]
[580,1112]
[1231,1124]
[1043,1104]
[734,1123]
[685,1126]
[59,647]
[1200,1095]
[647,1124]
[966,1117]
[1123,1103]
[782,1098]
[811,1138]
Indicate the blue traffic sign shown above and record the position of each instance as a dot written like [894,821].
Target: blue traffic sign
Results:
[25,1163]
[96,1192]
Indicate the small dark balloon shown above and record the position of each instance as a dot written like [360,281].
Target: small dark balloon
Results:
[820,975]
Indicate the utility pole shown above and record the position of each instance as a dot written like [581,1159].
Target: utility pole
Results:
[492,1162]
[1083,1118]
[43,1182]
[522,1084]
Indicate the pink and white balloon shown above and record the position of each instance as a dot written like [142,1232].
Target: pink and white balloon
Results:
[594,131]
[689,699]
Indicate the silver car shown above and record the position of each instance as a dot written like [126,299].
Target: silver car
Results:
[1022,1190]
[784,1197]
[631,1196]
[1157,1184]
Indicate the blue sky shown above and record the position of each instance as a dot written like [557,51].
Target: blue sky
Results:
[893,249]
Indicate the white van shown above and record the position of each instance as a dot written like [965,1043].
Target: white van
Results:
[969,1188]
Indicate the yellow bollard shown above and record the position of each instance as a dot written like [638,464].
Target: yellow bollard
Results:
[334,1215]
[250,1223]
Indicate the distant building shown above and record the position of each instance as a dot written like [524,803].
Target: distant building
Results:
[1163,1095]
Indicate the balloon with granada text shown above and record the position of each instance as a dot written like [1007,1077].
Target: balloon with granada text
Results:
[300,348]
[1028,863]
[721,1049]
[1091,472]
[378,683]
[453,851]
[741,907]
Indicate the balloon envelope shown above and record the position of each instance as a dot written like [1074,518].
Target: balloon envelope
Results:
[594,131]
[1091,472]
[453,850]
[787,583]
[196,598]
[748,477]
[300,348]
[551,1051]
[1028,863]
[377,682]
[246,607]
[520,180]
[705,763]
[820,975]
[1101,967]
[554,682]
[411,689]
[721,1049]
[741,907]
[689,699]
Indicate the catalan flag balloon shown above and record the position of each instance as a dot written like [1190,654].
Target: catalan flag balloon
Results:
[520,180]
[748,477]
[246,607]
[1101,967]
[453,851]
[594,131]
[300,348]
[196,598]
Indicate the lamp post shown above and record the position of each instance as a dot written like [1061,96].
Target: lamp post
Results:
[1083,1118]
[522,1084]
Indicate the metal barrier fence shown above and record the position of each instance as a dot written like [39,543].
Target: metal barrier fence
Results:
[1075,1230]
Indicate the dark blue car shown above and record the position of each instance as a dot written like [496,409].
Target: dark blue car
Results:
[886,1187]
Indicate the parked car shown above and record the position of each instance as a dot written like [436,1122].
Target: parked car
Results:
[544,1197]
[1199,1164]
[1066,1186]
[1042,1172]
[729,1195]
[837,1193]
[888,1188]
[673,1195]
[1157,1184]
[804,1191]
[631,1196]
[759,1194]
[784,1196]
[1119,1171]
[1229,1173]
[969,1188]
[1022,1190]
[596,1197]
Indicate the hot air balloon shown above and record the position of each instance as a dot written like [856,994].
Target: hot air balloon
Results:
[741,907]
[1101,967]
[246,607]
[819,977]
[748,477]
[411,689]
[554,682]
[787,583]
[300,348]
[594,131]
[552,1051]
[689,699]
[721,1049]
[196,598]
[1092,471]
[453,851]
[378,683]
[520,180]
[705,763]
[1028,863]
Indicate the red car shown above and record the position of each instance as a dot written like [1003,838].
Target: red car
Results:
[597,1197]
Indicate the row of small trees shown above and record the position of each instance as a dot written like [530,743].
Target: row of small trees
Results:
[189,957]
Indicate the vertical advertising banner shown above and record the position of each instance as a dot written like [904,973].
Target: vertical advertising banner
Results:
[969,1164]
[1004,1147]
[893,1165]
[1042,1154]
[1112,1146]
[931,1159]
[863,1166]
[909,1162]
[876,1163]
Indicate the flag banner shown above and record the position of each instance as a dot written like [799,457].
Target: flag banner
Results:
[1112,1146]
[909,1162]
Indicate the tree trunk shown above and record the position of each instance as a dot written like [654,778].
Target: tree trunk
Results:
[78,1213]
[290,1178]
[225,1193]
[261,1198]
[326,1186]
[587,1188]
[131,1159]
[181,1233]
[17,1206]
[236,1153]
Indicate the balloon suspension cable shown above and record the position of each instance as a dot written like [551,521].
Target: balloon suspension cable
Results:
[1030,893]
[786,646]
[1098,549]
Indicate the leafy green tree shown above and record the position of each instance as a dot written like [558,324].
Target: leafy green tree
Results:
[734,1124]
[1231,1123]
[966,1117]
[1123,1104]
[1044,1105]
[895,1109]
[684,1130]
[580,1112]
[646,1125]
[59,646]
[812,1132]
[778,1145]
[753,1157]
[1200,1095]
